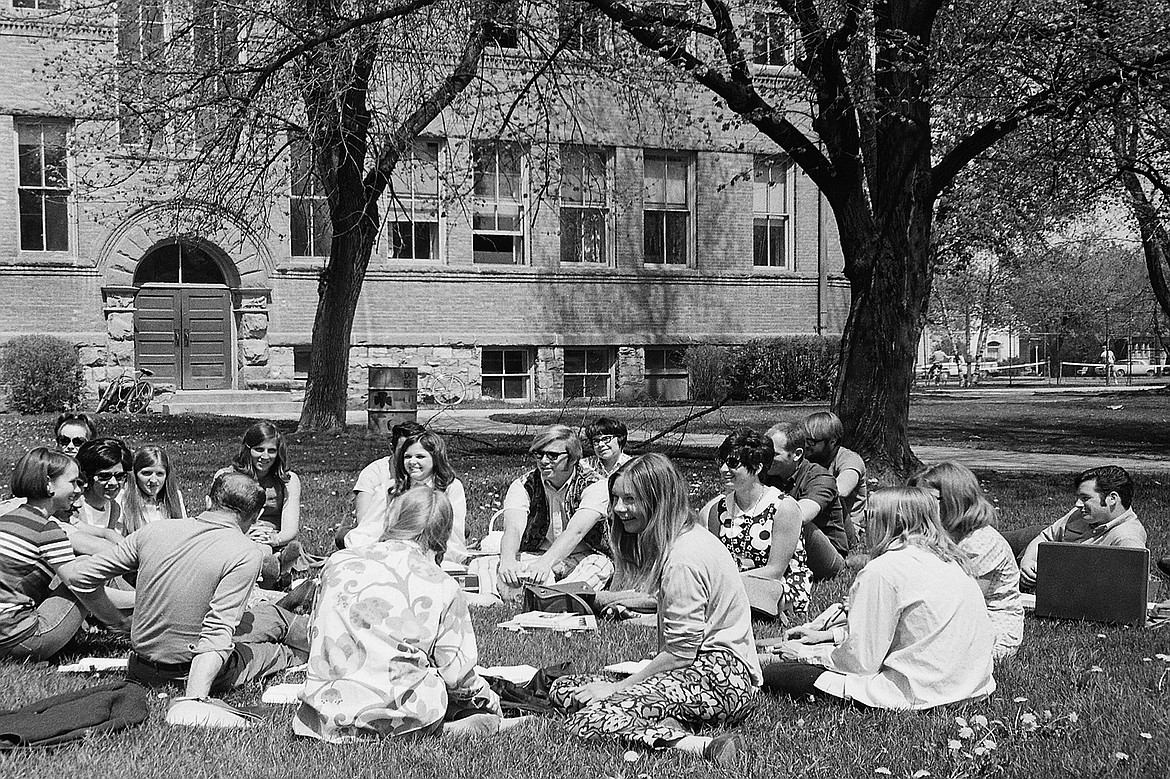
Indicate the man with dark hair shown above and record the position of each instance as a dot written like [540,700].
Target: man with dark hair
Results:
[194,579]
[1103,515]
[815,490]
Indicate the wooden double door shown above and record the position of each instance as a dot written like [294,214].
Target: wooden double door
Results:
[183,335]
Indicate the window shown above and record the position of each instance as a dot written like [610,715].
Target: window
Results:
[140,48]
[301,359]
[584,205]
[414,204]
[588,373]
[178,263]
[772,236]
[215,47]
[666,373]
[497,229]
[43,188]
[40,5]
[504,31]
[504,374]
[310,225]
[770,43]
[666,209]
[581,26]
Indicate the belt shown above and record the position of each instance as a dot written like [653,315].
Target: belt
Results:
[163,667]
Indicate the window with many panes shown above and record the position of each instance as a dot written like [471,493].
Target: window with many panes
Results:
[505,374]
[584,205]
[43,184]
[140,48]
[311,230]
[581,26]
[215,46]
[666,372]
[771,44]
[496,223]
[413,208]
[666,208]
[42,5]
[588,373]
[772,226]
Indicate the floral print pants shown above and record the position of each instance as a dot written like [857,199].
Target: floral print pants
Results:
[716,689]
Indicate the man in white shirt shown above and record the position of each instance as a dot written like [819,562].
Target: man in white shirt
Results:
[554,518]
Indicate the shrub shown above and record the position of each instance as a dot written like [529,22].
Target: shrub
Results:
[42,372]
[798,367]
[707,371]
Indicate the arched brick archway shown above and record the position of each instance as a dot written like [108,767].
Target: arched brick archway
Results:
[193,335]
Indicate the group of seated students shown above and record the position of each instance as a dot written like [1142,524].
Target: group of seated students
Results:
[387,633]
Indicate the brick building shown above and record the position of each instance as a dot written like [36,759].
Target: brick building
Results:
[590,281]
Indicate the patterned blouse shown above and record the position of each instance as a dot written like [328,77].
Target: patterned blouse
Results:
[748,536]
[391,644]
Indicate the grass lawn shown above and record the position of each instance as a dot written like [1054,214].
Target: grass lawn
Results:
[1120,424]
[1110,680]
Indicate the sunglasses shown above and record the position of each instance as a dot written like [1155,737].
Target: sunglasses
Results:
[731,461]
[64,440]
[119,477]
[542,454]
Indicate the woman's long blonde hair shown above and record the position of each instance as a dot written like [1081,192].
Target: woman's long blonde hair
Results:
[898,517]
[659,490]
[423,515]
[963,508]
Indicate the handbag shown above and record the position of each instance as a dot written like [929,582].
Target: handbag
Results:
[568,598]
[490,543]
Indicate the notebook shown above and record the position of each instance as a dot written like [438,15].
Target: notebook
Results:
[1094,583]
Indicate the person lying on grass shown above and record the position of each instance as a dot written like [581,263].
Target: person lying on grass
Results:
[393,651]
[706,671]
[970,519]
[917,633]
[761,527]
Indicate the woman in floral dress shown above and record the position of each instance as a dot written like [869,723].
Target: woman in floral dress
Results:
[760,526]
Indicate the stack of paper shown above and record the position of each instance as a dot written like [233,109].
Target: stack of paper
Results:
[547,620]
[89,665]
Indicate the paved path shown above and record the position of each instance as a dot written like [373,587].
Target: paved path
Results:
[478,421]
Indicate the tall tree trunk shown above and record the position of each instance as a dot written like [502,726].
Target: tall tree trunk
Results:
[338,292]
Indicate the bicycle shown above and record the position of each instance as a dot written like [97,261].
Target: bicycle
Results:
[129,393]
[441,389]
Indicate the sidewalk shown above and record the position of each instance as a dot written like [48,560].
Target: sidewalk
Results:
[478,421]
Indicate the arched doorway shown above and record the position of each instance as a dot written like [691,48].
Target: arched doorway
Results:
[182,327]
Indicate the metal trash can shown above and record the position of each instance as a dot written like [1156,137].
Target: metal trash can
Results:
[392,399]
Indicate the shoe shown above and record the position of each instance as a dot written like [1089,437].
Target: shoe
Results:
[727,750]
[300,599]
[1163,566]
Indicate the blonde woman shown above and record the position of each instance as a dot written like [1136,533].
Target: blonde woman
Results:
[917,633]
[706,671]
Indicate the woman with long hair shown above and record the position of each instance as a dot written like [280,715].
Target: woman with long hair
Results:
[761,527]
[264,456]
[153,492]
[969,518]
[706,670]
[916,632]
[421,461]
[393,653]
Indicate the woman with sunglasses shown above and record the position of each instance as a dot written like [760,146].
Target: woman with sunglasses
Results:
[105,465]
[554,528]
[761,527]
[70,432]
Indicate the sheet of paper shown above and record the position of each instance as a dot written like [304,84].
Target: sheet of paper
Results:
[89,665]
[627,668]
[516,674]
[283,694]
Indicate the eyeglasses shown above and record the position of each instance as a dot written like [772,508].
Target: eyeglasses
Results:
[544,454]
[64,440]
[119,477]
[731,461]
[604,440]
